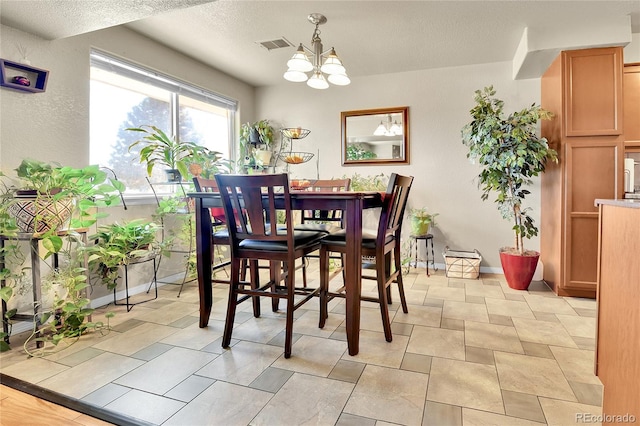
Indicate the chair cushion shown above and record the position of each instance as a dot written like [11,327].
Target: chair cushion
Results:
[221,234]
[301,239]
[368,238]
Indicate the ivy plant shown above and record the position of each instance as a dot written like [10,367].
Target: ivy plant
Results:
[120,244]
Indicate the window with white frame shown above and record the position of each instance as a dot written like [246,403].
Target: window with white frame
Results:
[125,95]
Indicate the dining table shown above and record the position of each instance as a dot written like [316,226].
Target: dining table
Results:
[351,203]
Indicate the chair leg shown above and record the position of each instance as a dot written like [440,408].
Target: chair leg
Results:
[274,276]
[304,271]
[254,274]
[382,296]
[398,266]
[288,332]
[243,270]
[324,286]
[232,303]
[387,274]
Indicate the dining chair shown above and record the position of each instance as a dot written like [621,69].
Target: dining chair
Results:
[256,235]
[381,245]
[322,220]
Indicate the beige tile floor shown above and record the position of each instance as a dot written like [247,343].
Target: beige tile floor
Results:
[469,352]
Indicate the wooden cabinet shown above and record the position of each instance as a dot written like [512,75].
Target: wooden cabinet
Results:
[583,88]
[618,338]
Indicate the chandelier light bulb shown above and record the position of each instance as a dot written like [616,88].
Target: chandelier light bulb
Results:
[295,76]
[299,61]
[332,65]
[381,130]
[395,128]
[317,81]
[339,79]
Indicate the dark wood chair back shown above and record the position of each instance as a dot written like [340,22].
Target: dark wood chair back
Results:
[205,185]
[255,196]
[393,208]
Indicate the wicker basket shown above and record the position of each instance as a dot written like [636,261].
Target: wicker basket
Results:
[462,264]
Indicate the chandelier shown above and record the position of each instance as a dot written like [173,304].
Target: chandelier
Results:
[322,62]
[388,128]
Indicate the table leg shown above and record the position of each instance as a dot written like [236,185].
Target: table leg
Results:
[5,325]
[353,266]
[203,261]
[37,289]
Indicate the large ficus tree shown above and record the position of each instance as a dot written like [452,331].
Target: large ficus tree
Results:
[510,154]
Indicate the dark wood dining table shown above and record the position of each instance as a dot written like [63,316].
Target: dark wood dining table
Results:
[352,204]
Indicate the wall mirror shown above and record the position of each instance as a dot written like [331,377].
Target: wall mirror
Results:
[375,136]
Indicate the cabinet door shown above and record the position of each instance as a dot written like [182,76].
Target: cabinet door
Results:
[592,172]
[631,86]
[593,91]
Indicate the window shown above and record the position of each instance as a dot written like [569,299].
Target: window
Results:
[125,95]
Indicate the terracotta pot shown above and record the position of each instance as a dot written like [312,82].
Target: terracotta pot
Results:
[519,270]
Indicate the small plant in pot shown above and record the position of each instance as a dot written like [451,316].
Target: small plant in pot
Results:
[158,148]
[421,220]
[510,154]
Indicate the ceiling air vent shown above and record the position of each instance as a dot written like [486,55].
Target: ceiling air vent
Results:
[275,44]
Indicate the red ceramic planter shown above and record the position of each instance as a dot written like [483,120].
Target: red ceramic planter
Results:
[518,270]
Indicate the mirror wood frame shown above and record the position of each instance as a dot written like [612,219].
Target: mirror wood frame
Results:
[380,114]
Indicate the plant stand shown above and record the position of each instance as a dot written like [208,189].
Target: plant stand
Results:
[413,242]
[129,305]
[34,245]
[294,157]
[190,249]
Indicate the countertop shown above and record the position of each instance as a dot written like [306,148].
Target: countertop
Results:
[629,203]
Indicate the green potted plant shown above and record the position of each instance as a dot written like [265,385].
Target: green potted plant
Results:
[119,244]
[510,154]
[256,140]
[158,148]
[420,221]
[206,163]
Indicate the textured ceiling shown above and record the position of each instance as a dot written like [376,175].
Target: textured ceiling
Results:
[53,19]
[371,37]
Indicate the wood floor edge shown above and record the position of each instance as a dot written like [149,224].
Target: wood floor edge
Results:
[70,403]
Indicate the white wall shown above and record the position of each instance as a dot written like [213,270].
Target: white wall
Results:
[439,102]
[632,50]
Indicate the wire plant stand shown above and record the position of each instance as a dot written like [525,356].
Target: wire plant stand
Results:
[190,249]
